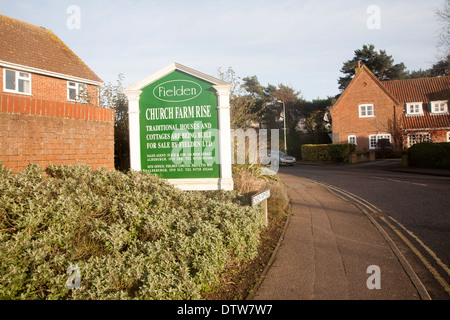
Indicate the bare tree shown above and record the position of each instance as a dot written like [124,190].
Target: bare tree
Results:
[241,114]
[443,15]
[113,98]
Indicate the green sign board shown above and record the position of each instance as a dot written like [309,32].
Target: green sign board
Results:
[178,125]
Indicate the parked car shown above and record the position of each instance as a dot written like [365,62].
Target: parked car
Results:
[281,158]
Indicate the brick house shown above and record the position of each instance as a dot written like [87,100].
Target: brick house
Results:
[49,102]
[401,112]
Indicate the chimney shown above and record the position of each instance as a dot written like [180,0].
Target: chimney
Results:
[358,68]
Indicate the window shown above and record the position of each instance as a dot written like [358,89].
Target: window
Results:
[352,139]
[414,109]
[448,136]
[77,92]
[414,138]
[439,107]
[17,82]
[366,110]
[374,138]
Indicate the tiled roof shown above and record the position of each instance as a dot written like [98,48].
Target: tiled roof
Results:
[419,90]
[36,47]
[427,121]
[422,90]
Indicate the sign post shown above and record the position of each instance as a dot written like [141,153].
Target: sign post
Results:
[262,197]
[180,128]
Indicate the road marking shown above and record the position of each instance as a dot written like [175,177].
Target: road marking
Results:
[370,209]
[430,252]
[402,181]
[430,268]
[360,200]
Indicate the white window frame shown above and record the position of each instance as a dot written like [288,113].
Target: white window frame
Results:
[448,136]
[72,85]
[418,137]
[442,105]
[352,139]
[373,139]
[18,76]
[414,108]
[364,110]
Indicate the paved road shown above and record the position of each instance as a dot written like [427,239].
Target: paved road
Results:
[413,206]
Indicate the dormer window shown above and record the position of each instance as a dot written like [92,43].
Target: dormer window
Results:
[414,109]
[439,107]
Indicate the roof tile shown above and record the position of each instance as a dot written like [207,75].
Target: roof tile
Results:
[422,90]
[419,90]
[28,45]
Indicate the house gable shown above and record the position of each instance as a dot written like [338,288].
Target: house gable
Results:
[356,83]
[364,109]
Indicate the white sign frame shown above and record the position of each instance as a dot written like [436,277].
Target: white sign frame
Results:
[223,90]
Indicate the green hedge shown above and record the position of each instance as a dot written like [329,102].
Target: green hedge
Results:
[132,236]
[327,152]
[432,155]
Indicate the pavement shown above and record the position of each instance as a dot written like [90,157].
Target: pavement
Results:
[331,250]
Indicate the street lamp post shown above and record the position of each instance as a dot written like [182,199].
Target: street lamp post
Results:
[284,125]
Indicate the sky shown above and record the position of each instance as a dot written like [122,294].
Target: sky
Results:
[299,43]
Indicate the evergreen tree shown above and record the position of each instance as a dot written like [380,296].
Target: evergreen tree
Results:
[379,62]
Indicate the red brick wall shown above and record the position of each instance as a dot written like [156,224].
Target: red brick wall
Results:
[345,113]
[45,132]
[54,89]
[437,135]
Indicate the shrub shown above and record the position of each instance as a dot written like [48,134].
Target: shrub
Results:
[327,152]
[315,152]
[248,180]
[131,235]
[434,155]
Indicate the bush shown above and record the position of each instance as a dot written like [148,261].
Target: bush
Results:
[248,181]
[432,155]
[327,152]
[131,235]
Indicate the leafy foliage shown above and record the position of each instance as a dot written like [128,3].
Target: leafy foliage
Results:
[133,236]
[427,154]
[327,152]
